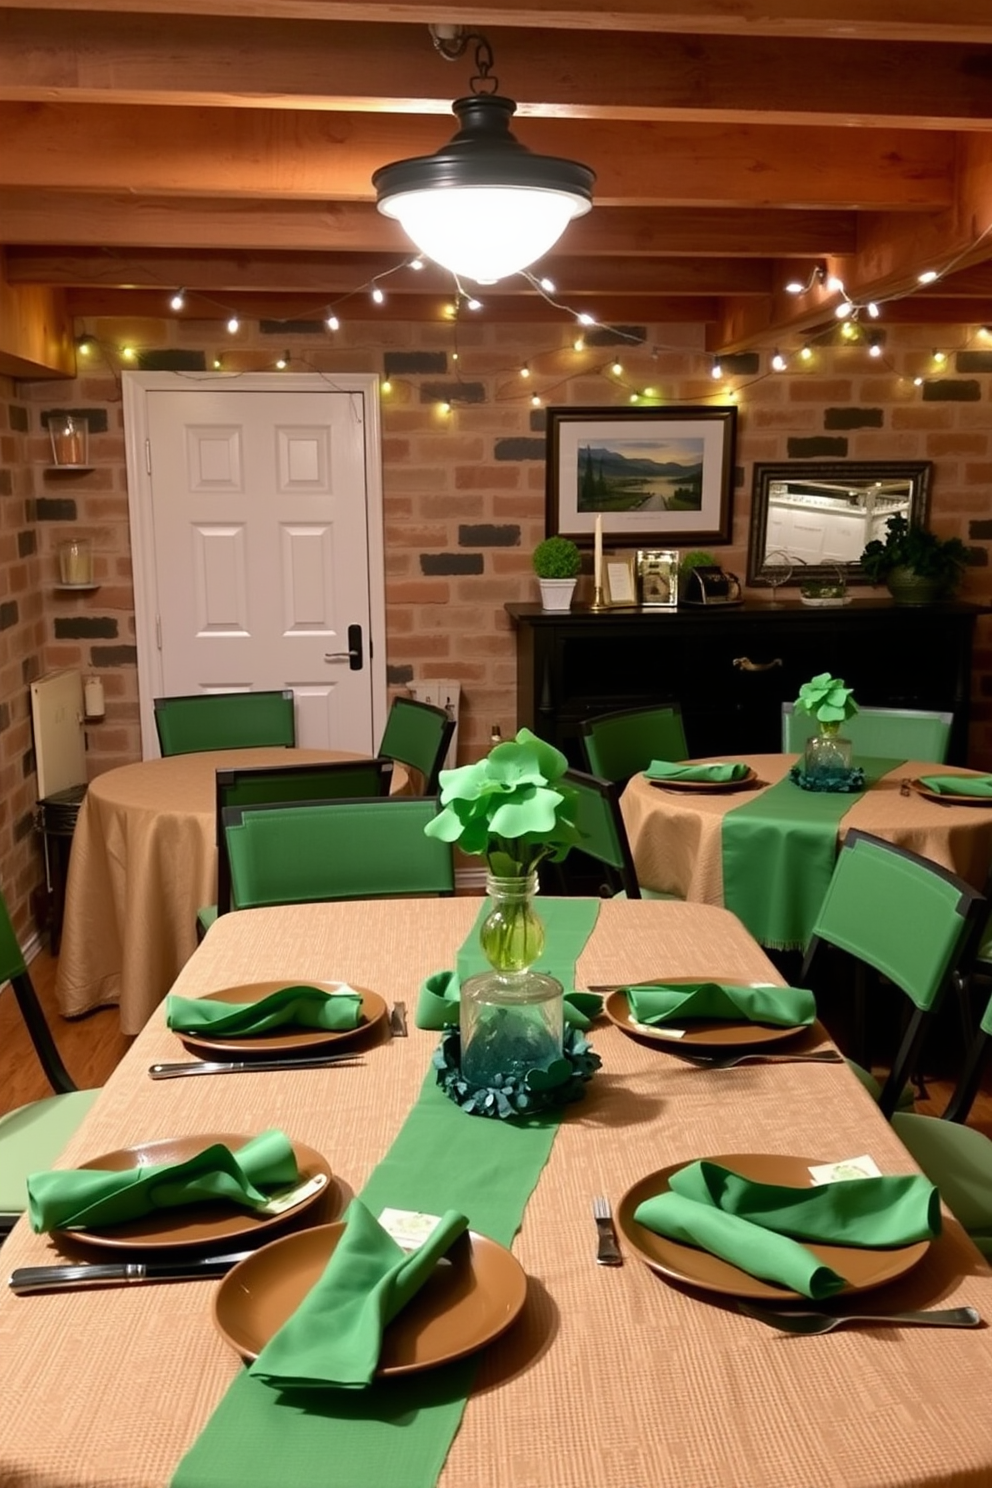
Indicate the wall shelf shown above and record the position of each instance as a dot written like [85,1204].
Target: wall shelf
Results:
[78,587]
[68,469]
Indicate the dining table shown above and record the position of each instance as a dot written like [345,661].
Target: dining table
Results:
[610,1376]
[682,844]
[143,862]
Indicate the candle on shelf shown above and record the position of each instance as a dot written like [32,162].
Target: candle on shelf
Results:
[597,576]
[93,700]
[68,440]
[75,562]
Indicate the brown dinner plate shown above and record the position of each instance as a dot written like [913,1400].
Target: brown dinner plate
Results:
[699,1033]
[289,1040]
[215,1223]
[743,782]
[945,798]
[863,1268]
[473,1295]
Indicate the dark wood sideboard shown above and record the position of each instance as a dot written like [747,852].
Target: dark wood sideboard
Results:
[732,667]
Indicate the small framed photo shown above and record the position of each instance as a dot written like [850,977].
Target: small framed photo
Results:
[658,579]
[619,580]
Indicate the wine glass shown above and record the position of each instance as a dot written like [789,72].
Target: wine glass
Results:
[776,570]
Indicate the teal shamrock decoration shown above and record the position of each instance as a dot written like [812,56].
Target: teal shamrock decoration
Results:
[826,699]
[510,808]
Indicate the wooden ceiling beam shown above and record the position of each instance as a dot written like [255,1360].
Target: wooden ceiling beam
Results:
[288,64]
[324,273]
[220,152]
[953,21]
[643,310]
[124,220]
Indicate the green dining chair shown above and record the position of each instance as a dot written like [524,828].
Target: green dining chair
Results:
[604,853]
[910,733]
[224,720]
[312,851]
[418,735]
[33,1136]
[255,785]
[620,744]
[905,917]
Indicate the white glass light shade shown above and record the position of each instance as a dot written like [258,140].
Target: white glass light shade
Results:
[484,233]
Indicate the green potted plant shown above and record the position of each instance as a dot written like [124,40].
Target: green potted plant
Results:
[917,565]
[557,562]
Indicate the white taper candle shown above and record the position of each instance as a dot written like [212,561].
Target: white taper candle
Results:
[597,576]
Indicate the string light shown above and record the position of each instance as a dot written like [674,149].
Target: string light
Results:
[798,287]
[536,400]
[218,364]
[233,324]
[716,371]
[474,304]
[378,297]
[579,344]
[635,398]
[548,285]
[128,353]
[779,363]
[525,370]
[283,362]
[873,309]
[416,263]
[332,323]
[806,354]
[617,369]
[386,385]
[178,299]
[444,407]
[940,357]
[927,277]
[874,346]
[585,319]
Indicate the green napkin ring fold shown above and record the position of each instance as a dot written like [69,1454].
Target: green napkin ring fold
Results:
[959,785]
[717,773]
[660,1003]
[288,1007]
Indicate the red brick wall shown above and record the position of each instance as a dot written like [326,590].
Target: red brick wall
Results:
[463,491]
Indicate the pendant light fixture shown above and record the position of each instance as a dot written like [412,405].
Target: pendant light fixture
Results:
[483,206]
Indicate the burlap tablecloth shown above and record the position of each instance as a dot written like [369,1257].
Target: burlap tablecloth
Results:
[143,861]
[675,835]
[612,1378]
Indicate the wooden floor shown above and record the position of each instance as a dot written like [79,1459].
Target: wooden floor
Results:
[92,1046]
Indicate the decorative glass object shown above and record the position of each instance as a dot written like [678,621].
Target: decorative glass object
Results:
[828,755]
[511,1017]
[75,562]
[69,435]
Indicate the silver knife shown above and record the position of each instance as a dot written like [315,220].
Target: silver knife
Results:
[397,1020]
[241,1066]
[26,1279]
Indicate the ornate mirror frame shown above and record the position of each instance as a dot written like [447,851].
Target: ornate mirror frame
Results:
[860,495]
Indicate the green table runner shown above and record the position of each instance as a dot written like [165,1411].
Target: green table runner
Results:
[778,856]
[568,924]
[397,1433]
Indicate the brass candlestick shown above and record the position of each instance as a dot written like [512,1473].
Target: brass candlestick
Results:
[598,602]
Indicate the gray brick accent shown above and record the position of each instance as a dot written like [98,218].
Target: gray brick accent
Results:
[539,420]
[9,614]
[520,449]
[172,359]
[489,537]
[399,676]
[30,669]
[291,327]
[24,826]
[96,418]
[6,483]
[741,363]
[29,763]
[113,656]
[452,392]
[852,418]
[980,531]
[816,448]
[4,716]
[978,557]
[27,543]
[973,361]
[451,563]
[397,363]
[52,509]
[18,418]
[625,335]
[948,390]
[82,627]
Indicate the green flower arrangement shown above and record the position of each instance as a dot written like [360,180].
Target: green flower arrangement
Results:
[826,699]
[510,808]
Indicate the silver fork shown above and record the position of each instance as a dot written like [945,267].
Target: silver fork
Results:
[821,1056]
[809,1323]
[608,1252]
[397,1020]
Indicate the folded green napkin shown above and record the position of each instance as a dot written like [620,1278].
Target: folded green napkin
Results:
[959,785]
[92,1197]
[437,1004]
[668,770]
[335,1335]
[288,1007]
[785,1007]
[758,1226]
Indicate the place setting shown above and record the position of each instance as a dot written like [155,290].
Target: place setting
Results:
[715,776]
[952,790]
[720,1024]
[772,1232]
[275,1025]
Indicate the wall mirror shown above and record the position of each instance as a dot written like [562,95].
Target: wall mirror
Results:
[819,517]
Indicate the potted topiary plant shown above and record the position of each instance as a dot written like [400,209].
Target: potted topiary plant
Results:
[918,566]
[557,562]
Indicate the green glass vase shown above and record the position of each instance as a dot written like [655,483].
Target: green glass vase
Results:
[511,1017]
[828,755]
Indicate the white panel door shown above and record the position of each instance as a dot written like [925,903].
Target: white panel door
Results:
[260,550]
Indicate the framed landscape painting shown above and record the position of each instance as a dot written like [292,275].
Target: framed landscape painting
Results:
[657,476]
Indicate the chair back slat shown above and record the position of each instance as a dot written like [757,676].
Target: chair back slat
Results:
[910,733]
[604,836]
[225,720]
[418,735]
[346,849]
[620,744]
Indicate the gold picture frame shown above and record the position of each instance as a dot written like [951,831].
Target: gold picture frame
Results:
[619,580]
[657,579]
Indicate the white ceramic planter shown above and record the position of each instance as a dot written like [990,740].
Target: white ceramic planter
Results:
[556,594]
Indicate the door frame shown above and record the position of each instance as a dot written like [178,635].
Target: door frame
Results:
[135,388]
